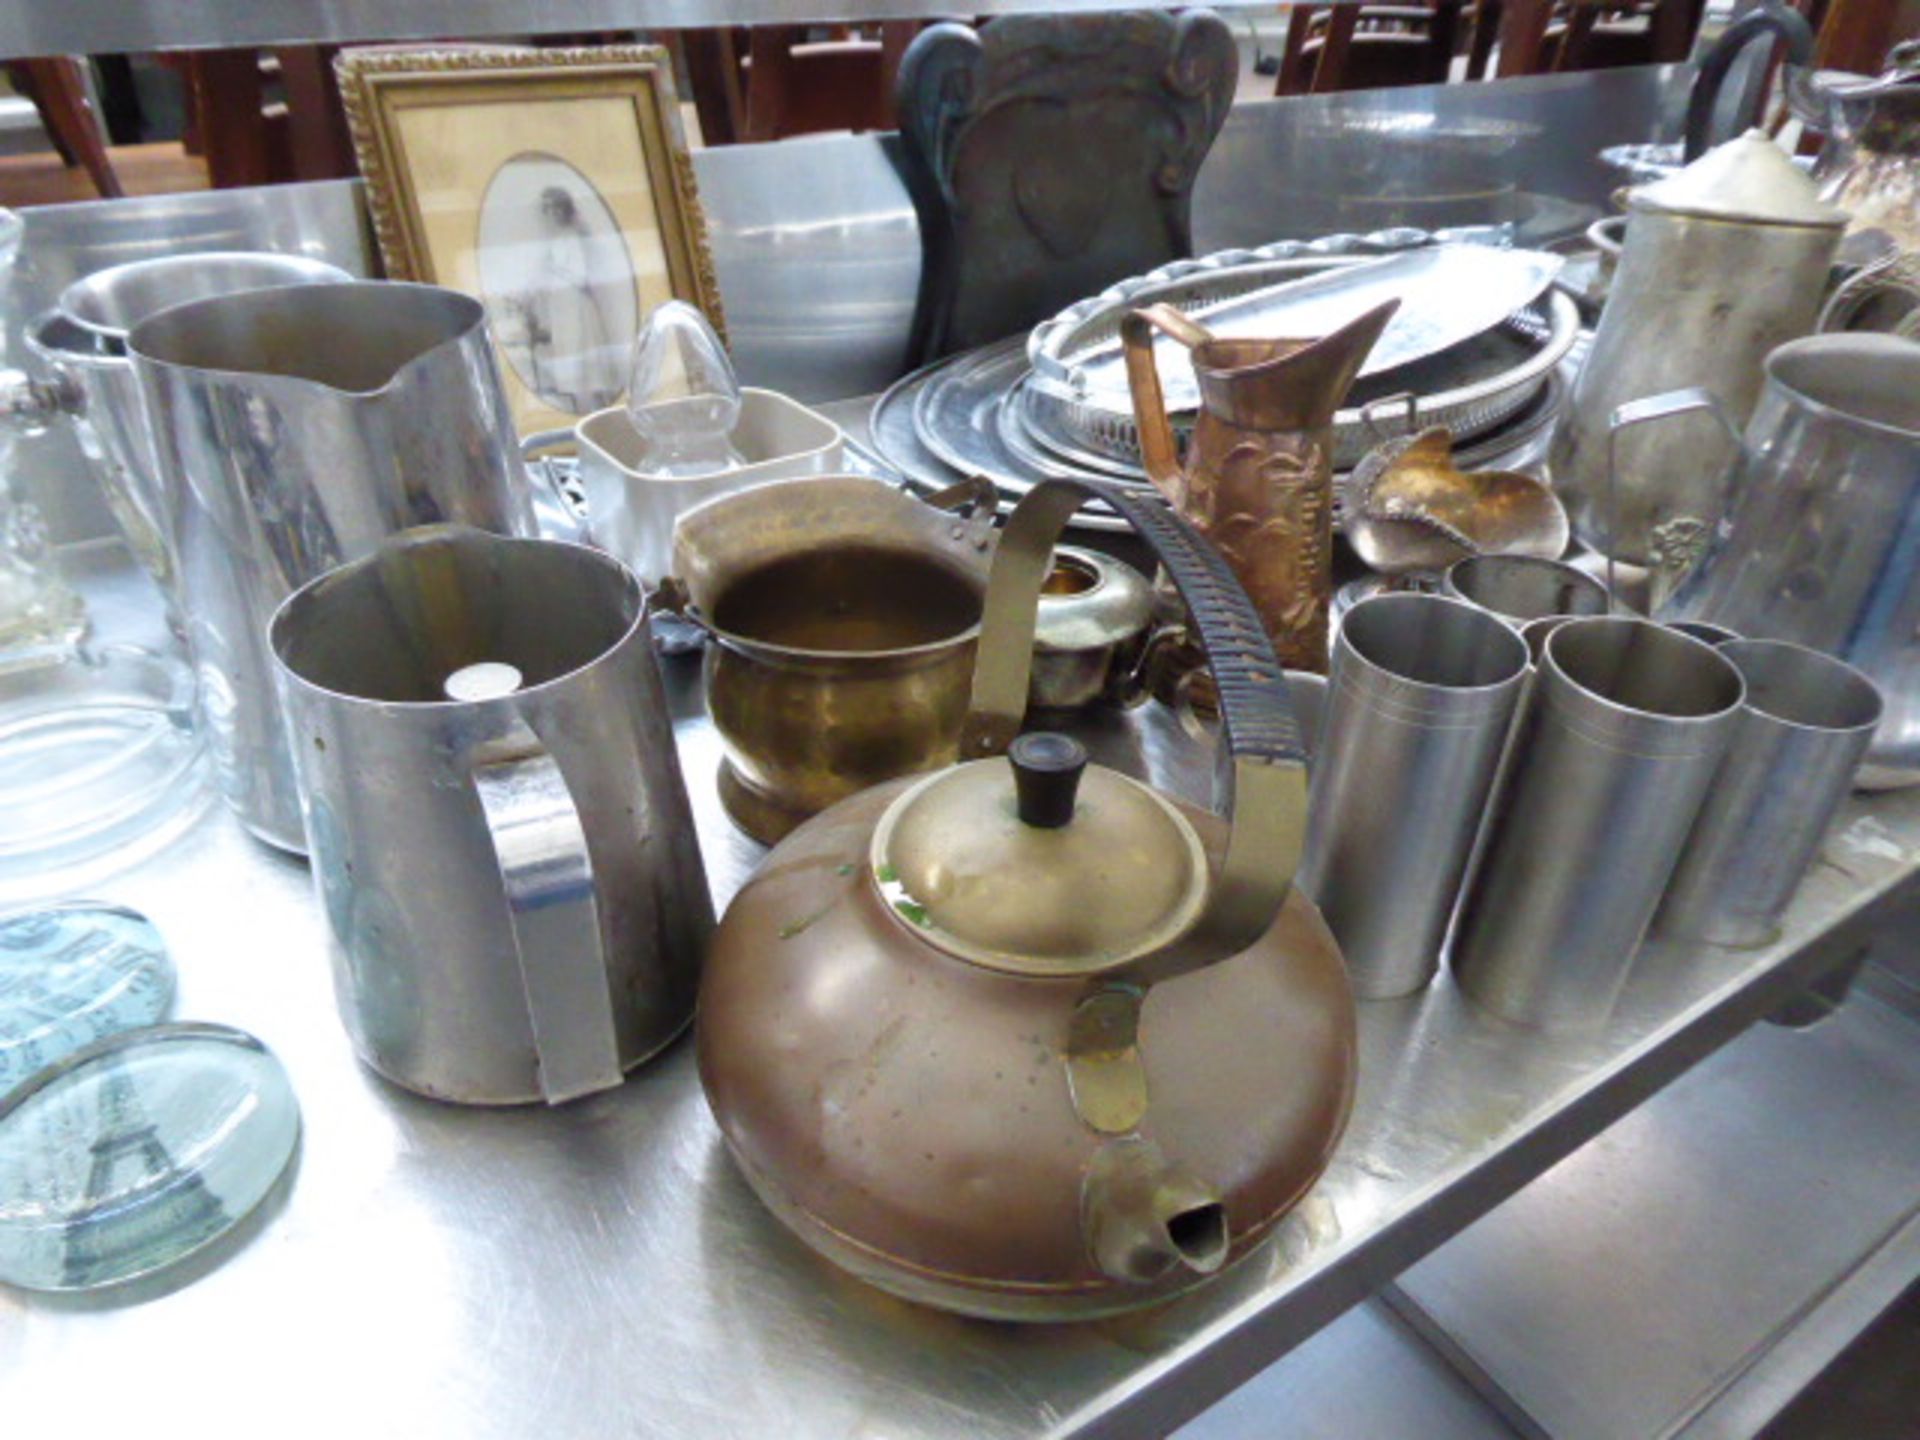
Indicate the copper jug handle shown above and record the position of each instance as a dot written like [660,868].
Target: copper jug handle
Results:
[1260,776]
[1158,453]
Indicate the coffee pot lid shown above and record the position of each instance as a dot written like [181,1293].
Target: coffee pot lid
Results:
[1749,179]
[1040,864]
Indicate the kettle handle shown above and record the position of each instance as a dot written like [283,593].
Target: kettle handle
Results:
[1158,454]
[1260,779]
[1769,17]
[540,845]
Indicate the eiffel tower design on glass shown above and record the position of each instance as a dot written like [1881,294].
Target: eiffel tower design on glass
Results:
[126,1149]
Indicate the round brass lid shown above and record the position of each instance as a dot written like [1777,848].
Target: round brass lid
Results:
[1038,863]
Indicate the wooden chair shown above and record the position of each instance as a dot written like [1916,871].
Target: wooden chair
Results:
[58,89]
[1367,47]
[772,81]
[262,117]
[1537,36]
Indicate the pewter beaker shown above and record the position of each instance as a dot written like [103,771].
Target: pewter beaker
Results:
[295,429]
[1821,541]
[1801,735]
[1520,588]
[1623,730]
[515,894]
[1419,702]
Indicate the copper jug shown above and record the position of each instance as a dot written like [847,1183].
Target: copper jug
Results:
[1258,478]
[1026,1038]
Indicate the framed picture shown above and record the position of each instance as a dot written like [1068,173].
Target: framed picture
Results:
[554,185]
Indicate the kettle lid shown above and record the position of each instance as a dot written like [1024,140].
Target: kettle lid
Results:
[1037,863]
[1749,179]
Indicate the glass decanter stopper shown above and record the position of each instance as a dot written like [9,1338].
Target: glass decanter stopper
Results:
[683,398]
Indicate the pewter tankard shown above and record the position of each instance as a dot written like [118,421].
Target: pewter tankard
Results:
[1721,262]
[1820,544]
[294,430]
[501,836]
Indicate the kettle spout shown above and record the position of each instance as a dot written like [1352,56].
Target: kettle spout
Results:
[1144,1218]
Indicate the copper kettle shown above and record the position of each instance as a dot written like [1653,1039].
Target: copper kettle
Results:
[1027,1039]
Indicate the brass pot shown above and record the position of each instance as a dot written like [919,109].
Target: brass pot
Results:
[842,618]
[1024,1038]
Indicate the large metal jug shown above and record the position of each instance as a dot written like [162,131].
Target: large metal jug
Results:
[1721,262]
[1820,544]
[294,430]
[501,837]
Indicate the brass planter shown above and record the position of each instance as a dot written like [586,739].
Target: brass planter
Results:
[841,680]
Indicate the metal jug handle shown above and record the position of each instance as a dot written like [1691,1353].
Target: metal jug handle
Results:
[1405,401]
[1769,17]
[1260,779]
[1640,412]
[537,465]
[28,404]
[1158,453]
[546,873]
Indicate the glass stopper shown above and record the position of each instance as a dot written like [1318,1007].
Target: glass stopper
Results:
[683,398]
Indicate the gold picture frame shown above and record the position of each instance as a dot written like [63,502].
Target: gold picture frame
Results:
[553,185]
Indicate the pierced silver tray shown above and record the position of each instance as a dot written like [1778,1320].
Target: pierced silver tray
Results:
[1448,294]
[1472,388]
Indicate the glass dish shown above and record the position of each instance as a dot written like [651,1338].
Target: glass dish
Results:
[100,764]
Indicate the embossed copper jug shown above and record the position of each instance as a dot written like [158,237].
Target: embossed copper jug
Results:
[1258,477]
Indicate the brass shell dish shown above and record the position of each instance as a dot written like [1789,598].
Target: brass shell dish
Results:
[1409,509]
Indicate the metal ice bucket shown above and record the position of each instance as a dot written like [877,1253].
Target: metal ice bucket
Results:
[80,347]
[294,430]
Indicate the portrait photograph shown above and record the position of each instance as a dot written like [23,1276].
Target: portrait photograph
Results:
[554,186]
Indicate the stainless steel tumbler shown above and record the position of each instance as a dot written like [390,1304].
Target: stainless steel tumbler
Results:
[1520,588]
[1622,734]
[1419,700]
[1800,737]
[500,834]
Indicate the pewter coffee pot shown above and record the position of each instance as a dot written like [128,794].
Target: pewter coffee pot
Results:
[1722,262]
[294,430]
[1026,1038]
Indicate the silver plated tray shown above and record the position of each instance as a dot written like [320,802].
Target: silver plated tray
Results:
[1448,294]
[1472,389]
[1000,446]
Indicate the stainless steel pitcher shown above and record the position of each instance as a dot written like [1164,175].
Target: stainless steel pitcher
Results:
[80,347]
[1820,544]
[1722,262]
[294,430]
[501,836]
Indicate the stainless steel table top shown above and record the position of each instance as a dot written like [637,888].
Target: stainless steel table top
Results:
[602,1269]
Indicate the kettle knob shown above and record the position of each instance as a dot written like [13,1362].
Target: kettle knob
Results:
[1047,767]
